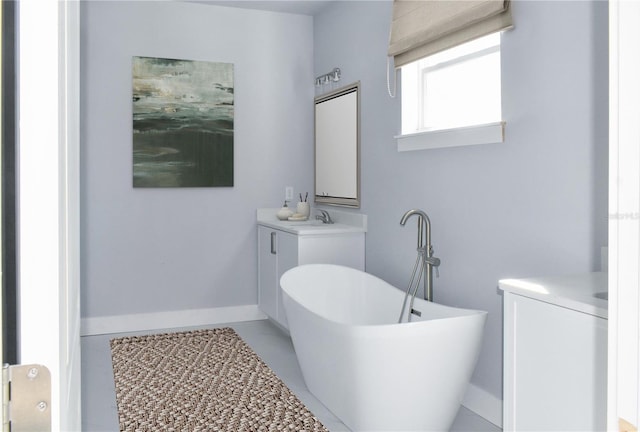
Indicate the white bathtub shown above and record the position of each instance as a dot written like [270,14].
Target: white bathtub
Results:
[372,373]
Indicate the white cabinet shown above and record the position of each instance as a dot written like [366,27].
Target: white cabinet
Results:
[555,360]
[279,251]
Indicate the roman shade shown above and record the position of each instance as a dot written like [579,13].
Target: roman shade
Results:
[423,27]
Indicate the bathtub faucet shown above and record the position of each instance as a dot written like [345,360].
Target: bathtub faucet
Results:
[425,251]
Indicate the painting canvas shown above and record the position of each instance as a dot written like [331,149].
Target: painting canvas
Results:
[182,123]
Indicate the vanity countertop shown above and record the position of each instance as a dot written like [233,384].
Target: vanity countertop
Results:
[345,223]
[576,291]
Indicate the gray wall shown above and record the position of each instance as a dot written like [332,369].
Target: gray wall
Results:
[154,250]
[535,205]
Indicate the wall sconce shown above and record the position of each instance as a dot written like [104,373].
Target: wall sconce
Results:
[334,76]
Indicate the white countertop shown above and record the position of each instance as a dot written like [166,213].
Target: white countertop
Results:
[571,291]
[345,223]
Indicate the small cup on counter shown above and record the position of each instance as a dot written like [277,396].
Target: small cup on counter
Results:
[303,208]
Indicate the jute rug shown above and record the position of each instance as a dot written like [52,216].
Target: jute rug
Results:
[205,380]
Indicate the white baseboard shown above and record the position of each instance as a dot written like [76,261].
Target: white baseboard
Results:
[484,404]
[170,319]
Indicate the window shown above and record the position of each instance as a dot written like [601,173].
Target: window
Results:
[456,88]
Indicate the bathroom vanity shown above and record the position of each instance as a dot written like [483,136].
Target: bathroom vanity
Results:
[283,245]
[555,353]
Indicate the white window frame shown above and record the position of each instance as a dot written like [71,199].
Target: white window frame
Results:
[456,136]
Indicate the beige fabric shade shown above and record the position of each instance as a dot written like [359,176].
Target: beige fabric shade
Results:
[423,27]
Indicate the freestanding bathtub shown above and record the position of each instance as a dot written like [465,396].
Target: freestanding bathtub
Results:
[371,372]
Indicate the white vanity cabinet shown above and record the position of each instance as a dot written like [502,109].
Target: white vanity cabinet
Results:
[555,354]
[282,246]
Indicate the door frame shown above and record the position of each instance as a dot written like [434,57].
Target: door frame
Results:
[624,216]
[49,199]
[8,187]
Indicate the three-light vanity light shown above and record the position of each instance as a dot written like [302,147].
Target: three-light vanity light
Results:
[333,76]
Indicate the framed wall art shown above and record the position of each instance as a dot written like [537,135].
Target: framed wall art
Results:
[183,113]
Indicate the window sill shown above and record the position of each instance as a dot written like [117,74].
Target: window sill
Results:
[489,133]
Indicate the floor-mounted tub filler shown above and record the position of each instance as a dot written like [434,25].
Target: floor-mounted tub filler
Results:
[374,373]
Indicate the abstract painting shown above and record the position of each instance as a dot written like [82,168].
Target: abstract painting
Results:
[183,114]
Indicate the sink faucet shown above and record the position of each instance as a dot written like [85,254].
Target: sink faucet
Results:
[324,217]
[425,249]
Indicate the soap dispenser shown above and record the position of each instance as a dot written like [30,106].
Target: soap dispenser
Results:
[285,212]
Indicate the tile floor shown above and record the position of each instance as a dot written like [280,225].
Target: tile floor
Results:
[99,413]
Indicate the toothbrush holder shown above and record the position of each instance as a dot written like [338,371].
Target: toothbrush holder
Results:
[303,209]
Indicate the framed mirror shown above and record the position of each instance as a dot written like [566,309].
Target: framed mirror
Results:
[337,147]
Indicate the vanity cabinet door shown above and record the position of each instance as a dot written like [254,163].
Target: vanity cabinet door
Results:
[267,270]
[277,253]
[287,259]
[555,367]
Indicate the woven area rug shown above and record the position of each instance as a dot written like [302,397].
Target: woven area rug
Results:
[204,380]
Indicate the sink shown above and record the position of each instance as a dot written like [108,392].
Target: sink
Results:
[345,223]
[604,295]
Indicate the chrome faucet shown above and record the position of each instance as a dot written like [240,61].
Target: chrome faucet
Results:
[324,217]
[425,252]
